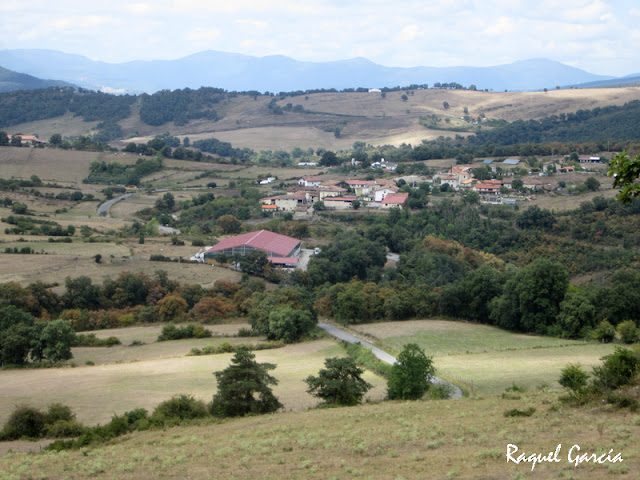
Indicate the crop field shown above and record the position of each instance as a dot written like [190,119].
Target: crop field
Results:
[67,167]
[489,358]
[97,392]
[464,439]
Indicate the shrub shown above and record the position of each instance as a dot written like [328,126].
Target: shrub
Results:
[628,331]
[24,421]
[64,429]
[178,408]
[618,369]
[574,378]
[604,332]
[171,332]
[520,413]
[59,412]
[440,391]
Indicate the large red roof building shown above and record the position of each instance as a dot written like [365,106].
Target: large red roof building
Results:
[273,244]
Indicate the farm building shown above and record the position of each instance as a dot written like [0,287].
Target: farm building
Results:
[273,244]
[394,200]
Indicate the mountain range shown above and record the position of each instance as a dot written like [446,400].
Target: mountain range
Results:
[278,73]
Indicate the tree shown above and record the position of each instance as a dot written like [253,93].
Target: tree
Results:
[56,338]
[410,377]
[445,104]
[229,224]
[244,387]
[4,139]
[592,184]
[329,159]
[340,383]
[55,139]
[625,172]
[16,141]
[628,332]
[404,98]
[288,324]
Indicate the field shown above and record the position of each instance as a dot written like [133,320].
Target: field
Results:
[361,116]
[465,439]
[27,269]
[486,358]
[97,392]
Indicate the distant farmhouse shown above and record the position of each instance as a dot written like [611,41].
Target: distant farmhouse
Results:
[280,249]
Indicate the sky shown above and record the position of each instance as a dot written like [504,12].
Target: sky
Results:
[598,36]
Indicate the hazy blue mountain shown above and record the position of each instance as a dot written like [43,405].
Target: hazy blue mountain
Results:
[632,80]
[10,81]
[277,73]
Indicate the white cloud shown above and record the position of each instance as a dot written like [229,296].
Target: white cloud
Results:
[409,32]
[139,8]
[502,26]
[204,34]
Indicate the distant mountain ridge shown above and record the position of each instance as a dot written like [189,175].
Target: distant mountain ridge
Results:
[11,81]
[276,73]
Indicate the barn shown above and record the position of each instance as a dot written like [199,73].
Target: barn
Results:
[273,244]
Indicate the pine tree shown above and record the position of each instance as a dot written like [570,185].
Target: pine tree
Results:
[244,387]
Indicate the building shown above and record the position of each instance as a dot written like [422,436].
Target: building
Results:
[27,139]
[339,203]
[310,181]
[589,159]
[511,161]
[273,244]
[362,187]
[381,193]
[395,200]
[452,180]
[486,188]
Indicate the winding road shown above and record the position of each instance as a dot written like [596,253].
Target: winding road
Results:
[103,209]
[380,354]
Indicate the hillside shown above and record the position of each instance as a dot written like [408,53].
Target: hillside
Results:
[439,439]
[247,120]
[10,81]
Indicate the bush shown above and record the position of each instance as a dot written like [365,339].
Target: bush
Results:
[604,332]
[64,429]
[520,413]
[59,412]
[24,421]
[171,332]
[177,409]
[574,378]
[441,391]
[618,369]
[628,331]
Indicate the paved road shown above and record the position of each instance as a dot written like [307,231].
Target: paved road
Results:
[381,354]
[103,210]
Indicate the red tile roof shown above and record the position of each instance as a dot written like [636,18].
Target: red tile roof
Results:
[262,240]
[395,198]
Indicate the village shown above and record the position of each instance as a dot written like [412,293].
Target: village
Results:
[513,180]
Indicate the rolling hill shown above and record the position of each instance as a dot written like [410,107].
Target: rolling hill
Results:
[11,81]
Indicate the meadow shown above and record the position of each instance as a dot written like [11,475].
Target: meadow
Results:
[125,378]
[484,359]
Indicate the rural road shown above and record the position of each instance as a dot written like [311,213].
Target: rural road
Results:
[103,209]
[381,354]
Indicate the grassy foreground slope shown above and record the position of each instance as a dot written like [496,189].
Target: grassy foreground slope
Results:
[464,439]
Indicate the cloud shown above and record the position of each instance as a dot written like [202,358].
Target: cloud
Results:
[502,26]
[139,8]
[409,33]
[204,34]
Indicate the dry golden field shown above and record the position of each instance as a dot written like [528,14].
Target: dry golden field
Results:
[361,116]
[149,374]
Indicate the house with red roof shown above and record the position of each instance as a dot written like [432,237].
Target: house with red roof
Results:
[276,246]
[310,181]
[395,200]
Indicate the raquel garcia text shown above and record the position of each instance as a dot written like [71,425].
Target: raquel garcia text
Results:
[574,455]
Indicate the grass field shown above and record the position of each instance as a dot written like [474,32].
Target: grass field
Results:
[27,269]
[465,439]
[486,357]
[97,392]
